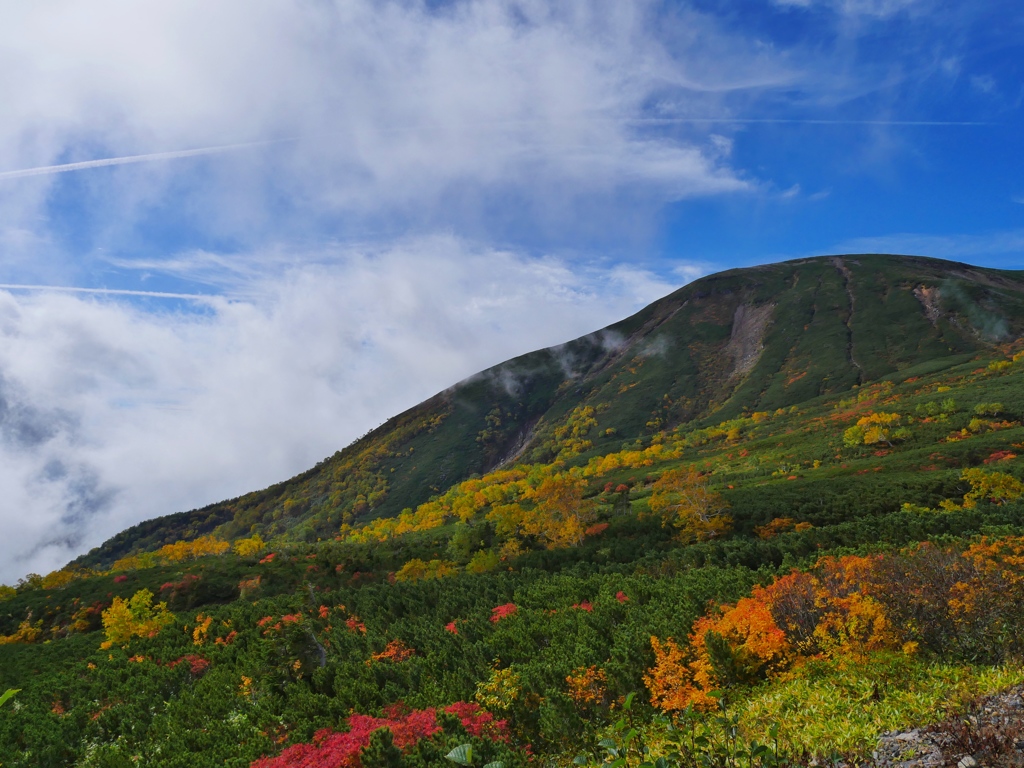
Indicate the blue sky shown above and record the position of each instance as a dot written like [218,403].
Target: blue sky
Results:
[809,124]
[389,196]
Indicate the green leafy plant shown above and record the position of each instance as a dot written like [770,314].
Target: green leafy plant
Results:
[463,755]
[624,747]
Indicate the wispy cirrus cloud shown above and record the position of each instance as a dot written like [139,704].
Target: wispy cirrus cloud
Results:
[871,8]
[402,114]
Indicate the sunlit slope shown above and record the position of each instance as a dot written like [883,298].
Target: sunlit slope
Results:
[746,340]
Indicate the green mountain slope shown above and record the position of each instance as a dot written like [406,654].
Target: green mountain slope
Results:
[839,558]
[737,342]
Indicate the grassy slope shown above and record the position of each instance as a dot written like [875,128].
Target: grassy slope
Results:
[831,323]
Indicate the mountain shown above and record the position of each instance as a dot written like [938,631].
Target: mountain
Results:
[782,506]
[732,343]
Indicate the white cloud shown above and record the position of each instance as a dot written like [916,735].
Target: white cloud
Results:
[111,414]
[395,107]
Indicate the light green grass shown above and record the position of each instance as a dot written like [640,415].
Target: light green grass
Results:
[830,707]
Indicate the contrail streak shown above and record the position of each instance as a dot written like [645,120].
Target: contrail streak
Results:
[116,291]
[807,121]
[175,155]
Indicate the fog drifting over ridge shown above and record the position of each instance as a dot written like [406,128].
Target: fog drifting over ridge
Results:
[379,124]
[111,413]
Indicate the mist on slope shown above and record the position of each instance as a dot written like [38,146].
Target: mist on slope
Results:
[112,412]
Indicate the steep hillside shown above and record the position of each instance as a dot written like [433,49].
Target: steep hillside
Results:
[737,342]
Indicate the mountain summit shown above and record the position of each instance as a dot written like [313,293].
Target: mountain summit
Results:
[745,340]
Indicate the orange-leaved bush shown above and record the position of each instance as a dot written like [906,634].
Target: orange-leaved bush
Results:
[588,686]
[967,604]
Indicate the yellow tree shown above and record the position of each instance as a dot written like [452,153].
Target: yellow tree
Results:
[562,515]
[876,428]
[135,617]
[419,570]
[250,547]
[684,498]
[996,487]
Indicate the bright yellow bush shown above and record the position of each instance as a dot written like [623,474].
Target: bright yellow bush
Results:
[875,428]
[60,579]
[169,554]
[420,570]
[135,617]
[996,487]
[250,547]
[684,499]
[500,691]
[27,632]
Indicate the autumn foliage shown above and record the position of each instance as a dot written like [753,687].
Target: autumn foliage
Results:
[135,617]
[418,570]
[994,487]
[249,547]
[684,499]
[395,651]
[924,598]
[341,749]
[779,526]
[500,612]
[875,428]
[27,632]
[588,686]
[169,554]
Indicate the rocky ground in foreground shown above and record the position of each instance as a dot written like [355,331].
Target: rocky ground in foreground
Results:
[989,734]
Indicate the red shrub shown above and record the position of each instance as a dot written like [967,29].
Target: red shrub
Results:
[341,750]
[197,665]
[501,611]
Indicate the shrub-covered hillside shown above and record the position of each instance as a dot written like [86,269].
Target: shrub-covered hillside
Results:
[725,346]
[800,568]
